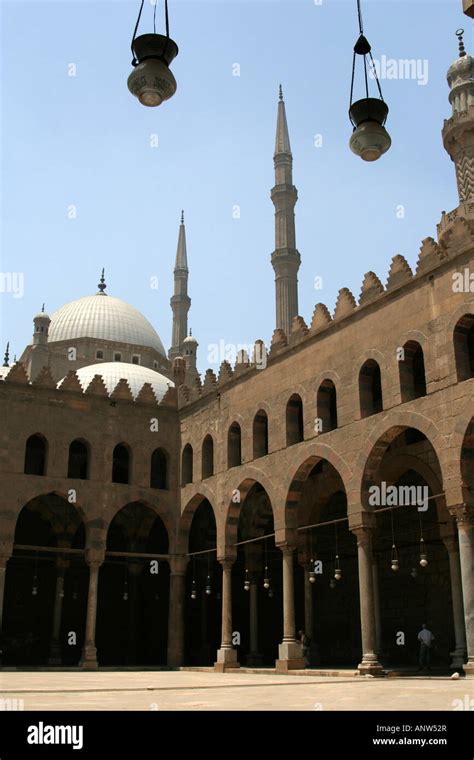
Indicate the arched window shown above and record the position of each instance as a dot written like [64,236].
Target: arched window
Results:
[159,469]
[370,389]
[294,420]
[260,434]
[207,457]
[464,347]
[412,372]
[35,455]
[187,465]
[326,404]
[78,464]
[121,464]
[234,445]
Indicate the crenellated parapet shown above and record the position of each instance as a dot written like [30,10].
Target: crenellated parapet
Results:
[17,376]
[456,236]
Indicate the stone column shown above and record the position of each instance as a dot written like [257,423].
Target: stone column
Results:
[178,566]
[369,664]
[458,657]
[55,649]
[308,603]
[289,651]
[465,523]
[226,655]
[94,558]
[378,619]
[3,571]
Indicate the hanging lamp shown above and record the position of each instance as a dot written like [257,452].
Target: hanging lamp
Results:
[394,561]
[370,139]
[312,574]
[193,584]
[337,569]
[423,555]
[266,575]
[247,581]
[151,80]
[125,584]
[34,589]
[208,581]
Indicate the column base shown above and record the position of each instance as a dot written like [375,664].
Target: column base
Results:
[55,655]
[458,658]
[254,660]
[370,666]
[89,658]
[468,668]
[226,660]
[289,657]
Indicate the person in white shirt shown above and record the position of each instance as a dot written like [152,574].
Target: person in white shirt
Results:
[426,638]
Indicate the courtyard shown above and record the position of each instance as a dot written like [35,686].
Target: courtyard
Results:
[205,690]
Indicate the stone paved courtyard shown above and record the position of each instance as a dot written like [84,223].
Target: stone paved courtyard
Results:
[185,690]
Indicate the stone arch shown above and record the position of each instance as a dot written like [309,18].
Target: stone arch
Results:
[251,476]
[463,310]
[186,518]
[381,437]
[118,506]
[298,473]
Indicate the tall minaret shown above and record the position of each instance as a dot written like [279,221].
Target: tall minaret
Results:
[458,131]
[285,258]
[180,301]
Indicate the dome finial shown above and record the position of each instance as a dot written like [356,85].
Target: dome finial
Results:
[462,49]
[42,308]
[102,286]
[182,217]
[7,355]
[191,331]
[280,93]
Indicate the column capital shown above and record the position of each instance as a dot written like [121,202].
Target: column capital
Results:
[464,515]
[178,564]
[364,534]
[226,562]
[286,549]
[3,560]
[95,557]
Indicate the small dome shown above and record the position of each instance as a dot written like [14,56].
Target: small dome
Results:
[4,372]
[41,315]
[191,340]
[135,375]
[104,318]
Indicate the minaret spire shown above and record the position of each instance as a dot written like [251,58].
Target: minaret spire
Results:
[458,131]
[285,258]
[7,355]
[180,301]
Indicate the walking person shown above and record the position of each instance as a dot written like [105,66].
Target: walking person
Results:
[426,638]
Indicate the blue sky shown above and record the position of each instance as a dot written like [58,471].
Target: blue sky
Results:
[85,141]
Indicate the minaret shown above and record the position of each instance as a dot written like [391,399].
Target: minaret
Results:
[39,356]
[285,258]
[180,301]
[458,131]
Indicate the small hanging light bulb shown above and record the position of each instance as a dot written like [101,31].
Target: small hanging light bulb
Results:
[312,576]
[61,593]
[208,586]
[193,590]
[74,595]
[125,591]
[394,564]
[337,570]
[266,580]
[34,590]
[247,581]
[414,572]
[423,556]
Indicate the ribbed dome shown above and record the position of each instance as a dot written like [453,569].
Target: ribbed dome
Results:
[105,318]
[134,374]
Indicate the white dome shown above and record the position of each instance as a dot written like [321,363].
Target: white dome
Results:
[105,318]
[134,374]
